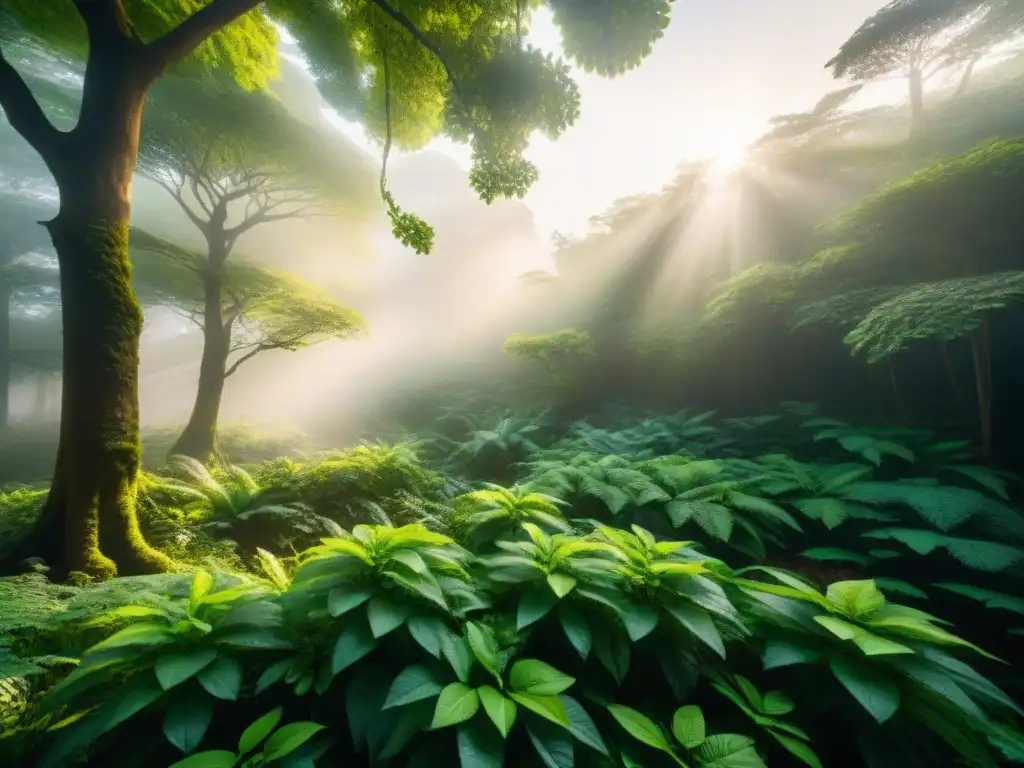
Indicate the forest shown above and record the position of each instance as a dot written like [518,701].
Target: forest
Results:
[729,478]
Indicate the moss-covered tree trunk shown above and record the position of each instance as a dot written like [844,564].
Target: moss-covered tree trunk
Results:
[5,343]
[89,522]
[199,439]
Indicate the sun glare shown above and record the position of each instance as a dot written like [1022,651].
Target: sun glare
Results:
[727,157]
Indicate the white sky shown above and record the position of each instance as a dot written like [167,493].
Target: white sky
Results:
[723,68]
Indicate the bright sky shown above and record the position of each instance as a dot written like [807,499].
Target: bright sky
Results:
[721,70]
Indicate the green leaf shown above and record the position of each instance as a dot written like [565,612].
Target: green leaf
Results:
[799,749]
[136,634]
[485,647]
[549,707]
[479,747]
[870,643]
[175,668]
[218,758]
[534,606]
[833,553]
[538,678]
[428,631]
[343,599]
[776,704]
[385,616]
[728,750]
[778,653]
[581,725]
[576,629]
[289,738]
[259,730]
[613,653]
[639,620]
[272,674]
[553,744]
[688,726]
[640,727]
[876,693]
[201,583]
[186,721]
[414,683]
[456,651]
[501,710]
[355,641]
[561,584]
[456,704]
[222,679]
[900,588]
[855,599]
[697,621]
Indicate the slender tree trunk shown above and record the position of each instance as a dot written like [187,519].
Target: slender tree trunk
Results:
[916,97]
[5,347]
[199,439]
[89,522]
[951,372]
[965,79]
[981,347]
[40,401]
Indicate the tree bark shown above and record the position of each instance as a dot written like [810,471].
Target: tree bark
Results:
[980,345]
[965,79]
[89,522]
[916,79]
[199,439]
[5,346]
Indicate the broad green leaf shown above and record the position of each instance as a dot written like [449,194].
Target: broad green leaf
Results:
[264,639]
[876,693]
[534,606]
[538,678]
[385,616]
[484,646]
[613,653]
[343,599]
[778,653]
[799,749]
[728,750]
[201,583]
[222,679]
[479,747]
[175,668]
[288,738]
[639,620]
[834,553]
[553,744]
[456,651]
[900,588]
[776,704]
[456,704]
[218,758]
[355,641]
[576,629]
[501,710]
[581,725]
[428,631]
[696,620]
[186,721]
[549,707]
[414,683]
[561,584]
[868,642]
[640,727]
[855,599]
[254,735]
[688,726]
[273,674]
[136,634]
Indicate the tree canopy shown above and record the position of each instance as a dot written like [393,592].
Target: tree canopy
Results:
[267,309]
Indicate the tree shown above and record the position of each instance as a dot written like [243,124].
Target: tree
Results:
[233,161]
[252,310]
[435,65]
[917,39]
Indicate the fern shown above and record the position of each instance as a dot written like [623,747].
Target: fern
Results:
[988,556]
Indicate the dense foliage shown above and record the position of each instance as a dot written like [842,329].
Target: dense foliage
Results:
[633,593]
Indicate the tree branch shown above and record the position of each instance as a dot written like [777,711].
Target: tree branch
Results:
[27,117]
[174,46]
[247,356]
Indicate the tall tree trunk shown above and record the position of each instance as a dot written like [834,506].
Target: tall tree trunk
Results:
[5,347]
[951,372]
[981,347]
[916,79]
[965,79]
[89,523]
[199,439]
